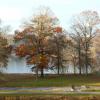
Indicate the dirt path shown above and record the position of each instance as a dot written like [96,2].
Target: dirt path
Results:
[43,90]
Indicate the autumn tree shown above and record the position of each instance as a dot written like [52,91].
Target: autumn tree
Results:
[58,42]
[96,45]
[71,55]
[34,40]
[83,30]
[5,48]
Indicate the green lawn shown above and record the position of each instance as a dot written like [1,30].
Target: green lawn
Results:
[28,80]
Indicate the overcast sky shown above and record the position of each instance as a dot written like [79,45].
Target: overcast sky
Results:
[13,12]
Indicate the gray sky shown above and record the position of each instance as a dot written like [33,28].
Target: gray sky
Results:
[13,12]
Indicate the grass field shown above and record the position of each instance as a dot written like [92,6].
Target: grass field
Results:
[28,80]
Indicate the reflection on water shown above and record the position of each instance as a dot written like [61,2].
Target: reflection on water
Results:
[17,65]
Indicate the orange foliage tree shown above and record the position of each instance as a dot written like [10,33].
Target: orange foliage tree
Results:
[32,42]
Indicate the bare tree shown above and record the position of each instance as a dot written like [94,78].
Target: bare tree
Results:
[84,29]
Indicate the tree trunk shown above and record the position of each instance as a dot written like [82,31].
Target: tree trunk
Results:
[42,72]
[58,68]
[37,47]
[58,59]
[74,64]
[36,72]
[86,58]
[74,70]
[79,57]
[58,62]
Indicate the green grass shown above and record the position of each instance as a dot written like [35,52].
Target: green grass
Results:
[28,80]
[50,94]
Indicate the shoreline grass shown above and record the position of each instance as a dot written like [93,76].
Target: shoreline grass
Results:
[28,80]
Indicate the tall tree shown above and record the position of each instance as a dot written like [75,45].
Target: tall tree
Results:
[5,48]
[84,29]
[72,55]
[35,40]
[96,43]
[58,42]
